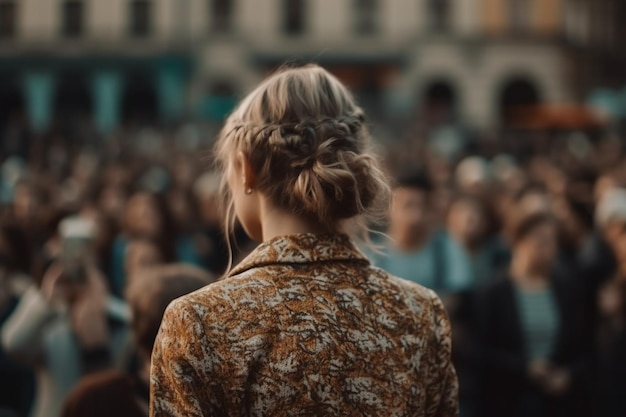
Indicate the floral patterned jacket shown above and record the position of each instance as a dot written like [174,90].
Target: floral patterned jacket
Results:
[305,326]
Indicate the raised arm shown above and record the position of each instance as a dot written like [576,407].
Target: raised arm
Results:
[23,333]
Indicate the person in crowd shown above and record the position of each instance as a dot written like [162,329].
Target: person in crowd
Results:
[304,325]
[65,329]
[146,216]
[415,249]
[210,243]
[473,176]
[183,207]
[576,227]
[533,198]
[105,232]
[611,338]
[533,338]
[598,262]
[15,267]
[125,393]
[474,248]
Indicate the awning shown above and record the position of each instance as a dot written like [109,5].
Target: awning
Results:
[557,117]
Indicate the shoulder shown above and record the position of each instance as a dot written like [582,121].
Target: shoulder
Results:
[222,301]
[422,302]
[409,288]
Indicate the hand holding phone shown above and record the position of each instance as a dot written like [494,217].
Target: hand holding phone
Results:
[77,235]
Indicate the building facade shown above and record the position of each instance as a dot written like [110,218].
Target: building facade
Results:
[469,61]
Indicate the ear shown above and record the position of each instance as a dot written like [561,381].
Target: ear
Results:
[247,176]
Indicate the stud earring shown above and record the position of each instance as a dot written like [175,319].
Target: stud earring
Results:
[248,191]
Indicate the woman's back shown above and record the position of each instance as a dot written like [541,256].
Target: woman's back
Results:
[305,326]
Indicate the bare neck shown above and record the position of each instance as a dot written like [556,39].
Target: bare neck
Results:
[278,222]
[408,242]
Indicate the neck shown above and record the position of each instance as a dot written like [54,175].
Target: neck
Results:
[407,240]
[471,245]
[277,222]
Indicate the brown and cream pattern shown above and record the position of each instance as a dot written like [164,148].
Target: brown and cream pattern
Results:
[305,326]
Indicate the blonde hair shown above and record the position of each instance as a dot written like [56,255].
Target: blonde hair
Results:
[307,144]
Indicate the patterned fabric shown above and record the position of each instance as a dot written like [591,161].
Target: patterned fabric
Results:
[305,326]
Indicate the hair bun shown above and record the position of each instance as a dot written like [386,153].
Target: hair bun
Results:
[305,138]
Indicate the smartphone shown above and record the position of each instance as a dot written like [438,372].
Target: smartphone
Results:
[77,234]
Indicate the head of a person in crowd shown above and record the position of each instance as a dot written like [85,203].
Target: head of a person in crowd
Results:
[473,175]
[410,212]
[151,291]
[507,174]
[112,199]
[468,221]
[85,167]
[146,215]
[206,189]
[105,228]
[141,253]
[296,148]
[183,206]
[27,198]
[575,220]
[534,239]
[183,171]
[532,199]
[610,214]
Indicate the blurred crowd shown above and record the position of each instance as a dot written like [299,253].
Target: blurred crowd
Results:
[523,237]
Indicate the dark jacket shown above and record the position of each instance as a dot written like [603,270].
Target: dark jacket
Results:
[502,358]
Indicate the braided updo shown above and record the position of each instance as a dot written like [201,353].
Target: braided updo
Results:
[306,141]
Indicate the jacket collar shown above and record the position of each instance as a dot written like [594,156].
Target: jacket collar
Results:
[301,249]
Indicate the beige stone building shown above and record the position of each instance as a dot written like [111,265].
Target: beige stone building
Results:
[442,60]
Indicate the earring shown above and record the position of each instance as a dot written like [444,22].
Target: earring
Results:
[248,191]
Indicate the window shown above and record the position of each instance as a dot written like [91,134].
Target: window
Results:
[72,18]
[7,19]
[365,13]
[294,17]
[519,15]
[140,18]
[221,15]
[439,14]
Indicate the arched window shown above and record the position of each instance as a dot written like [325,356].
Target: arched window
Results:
[439,102]
[517,93]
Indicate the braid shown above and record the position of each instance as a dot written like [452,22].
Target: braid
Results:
[306,141]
